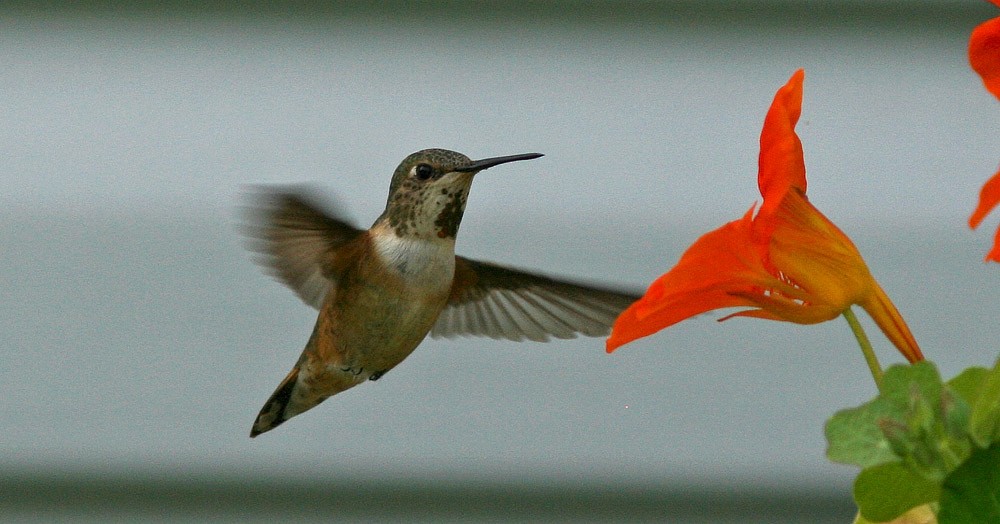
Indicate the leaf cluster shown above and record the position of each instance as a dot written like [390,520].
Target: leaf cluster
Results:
[922,441]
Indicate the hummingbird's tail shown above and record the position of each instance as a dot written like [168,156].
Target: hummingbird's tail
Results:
[273,412]
[297,394]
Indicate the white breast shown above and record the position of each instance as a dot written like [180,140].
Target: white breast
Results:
[423,263]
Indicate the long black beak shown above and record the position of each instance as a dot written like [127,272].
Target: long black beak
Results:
[487,163]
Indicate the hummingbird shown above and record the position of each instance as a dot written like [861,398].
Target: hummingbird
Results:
[381,291]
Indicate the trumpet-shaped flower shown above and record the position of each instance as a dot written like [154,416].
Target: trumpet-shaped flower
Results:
[785,262]
[984,57]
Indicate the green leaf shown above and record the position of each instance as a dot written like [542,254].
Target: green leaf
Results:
[854,435]
[971,493]
[968,383]
[886,491]
[859,436]
[901,382]
[984,420]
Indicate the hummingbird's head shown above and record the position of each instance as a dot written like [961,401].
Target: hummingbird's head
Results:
[429,189]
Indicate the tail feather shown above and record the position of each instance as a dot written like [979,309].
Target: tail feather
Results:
[302,390]
[272,414]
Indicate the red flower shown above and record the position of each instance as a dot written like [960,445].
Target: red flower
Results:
[788,262]
[984,57]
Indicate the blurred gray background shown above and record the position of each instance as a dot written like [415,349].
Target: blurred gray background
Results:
[139,340]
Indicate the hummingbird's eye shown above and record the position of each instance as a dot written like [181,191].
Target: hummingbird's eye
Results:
[423,171]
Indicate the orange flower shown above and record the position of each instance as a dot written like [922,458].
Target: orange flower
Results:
[984,52]
[788,262]
[984,57]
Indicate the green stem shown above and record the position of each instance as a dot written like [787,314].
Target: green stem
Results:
[866,346]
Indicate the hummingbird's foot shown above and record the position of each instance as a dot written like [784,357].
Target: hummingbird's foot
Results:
[359,371]
[353,371]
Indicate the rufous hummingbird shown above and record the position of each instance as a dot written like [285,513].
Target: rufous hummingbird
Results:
[380,291]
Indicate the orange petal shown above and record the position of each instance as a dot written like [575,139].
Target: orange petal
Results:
[781,164]
[718,263]
[887,317]
[984,54]
[994,254]
[629,327]
[989,197]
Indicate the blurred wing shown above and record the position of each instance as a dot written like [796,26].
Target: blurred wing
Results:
[497,302]
[295,241]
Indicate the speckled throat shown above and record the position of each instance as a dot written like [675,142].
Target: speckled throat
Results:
[428,212]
